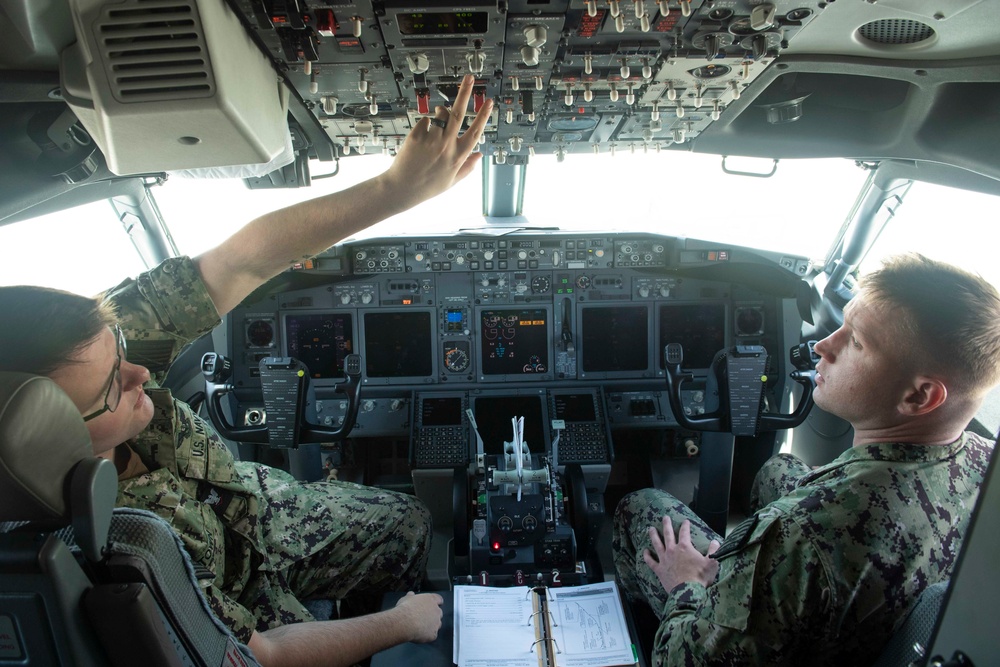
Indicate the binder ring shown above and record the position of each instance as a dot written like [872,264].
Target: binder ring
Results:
[552,619]
[552,639]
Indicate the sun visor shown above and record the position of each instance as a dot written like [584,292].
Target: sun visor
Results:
[166,85]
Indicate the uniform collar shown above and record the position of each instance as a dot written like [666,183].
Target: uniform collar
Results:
[897,452]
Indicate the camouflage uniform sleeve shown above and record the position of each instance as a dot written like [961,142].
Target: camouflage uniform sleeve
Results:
[770,601]
[163,310]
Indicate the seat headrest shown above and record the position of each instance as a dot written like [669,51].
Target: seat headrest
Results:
[42,438]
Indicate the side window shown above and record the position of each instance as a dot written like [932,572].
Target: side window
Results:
[942,223]
[82,250]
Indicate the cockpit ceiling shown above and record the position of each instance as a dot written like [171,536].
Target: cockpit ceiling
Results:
[903,80]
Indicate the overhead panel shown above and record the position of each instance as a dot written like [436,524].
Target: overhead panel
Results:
[566,76]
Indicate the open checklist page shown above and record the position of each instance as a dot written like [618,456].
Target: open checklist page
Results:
[575,626]
[494,627]
[589,626]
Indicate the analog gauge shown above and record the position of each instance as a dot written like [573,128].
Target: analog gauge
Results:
[260,333]
[749,322]
[741,28]
[583,282]
[540,284]
[456,357]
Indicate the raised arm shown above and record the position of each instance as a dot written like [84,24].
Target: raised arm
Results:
[415,618]
[431,160]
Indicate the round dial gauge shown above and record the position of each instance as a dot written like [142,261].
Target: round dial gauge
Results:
[540,284]
[260,333]
[456,359]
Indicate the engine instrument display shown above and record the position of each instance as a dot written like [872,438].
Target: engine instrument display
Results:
[514,341]
[320,341]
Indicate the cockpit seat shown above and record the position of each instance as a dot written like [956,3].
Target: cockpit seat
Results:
[911,639]
[83,583]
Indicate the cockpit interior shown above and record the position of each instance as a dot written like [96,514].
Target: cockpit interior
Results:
[519,374]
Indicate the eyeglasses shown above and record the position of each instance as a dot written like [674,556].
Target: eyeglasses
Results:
[113,396]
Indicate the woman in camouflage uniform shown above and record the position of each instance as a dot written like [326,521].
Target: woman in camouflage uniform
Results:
[268,540]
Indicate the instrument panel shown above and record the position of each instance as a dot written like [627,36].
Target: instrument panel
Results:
[564,322]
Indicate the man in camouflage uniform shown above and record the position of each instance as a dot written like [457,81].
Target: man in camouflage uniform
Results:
[268,540]
[833,558]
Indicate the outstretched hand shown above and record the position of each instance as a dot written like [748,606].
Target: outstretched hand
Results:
[423,614]
[434,158]
[675,561]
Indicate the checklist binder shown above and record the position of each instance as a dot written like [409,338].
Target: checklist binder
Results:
[578,626]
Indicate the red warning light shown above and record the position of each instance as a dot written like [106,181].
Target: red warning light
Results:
[496,546]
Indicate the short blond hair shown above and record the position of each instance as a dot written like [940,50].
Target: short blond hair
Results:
[949,316]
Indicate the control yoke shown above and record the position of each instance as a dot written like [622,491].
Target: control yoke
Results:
[287,394]
[741,372]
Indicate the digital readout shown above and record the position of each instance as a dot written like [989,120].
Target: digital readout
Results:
[442,23]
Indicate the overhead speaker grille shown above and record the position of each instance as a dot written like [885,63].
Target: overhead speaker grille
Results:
[896,32]
[154,50]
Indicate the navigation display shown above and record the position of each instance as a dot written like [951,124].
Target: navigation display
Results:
[398,344]
[514,341]
[699,328]
[614,339]
[320,341]
[493,417]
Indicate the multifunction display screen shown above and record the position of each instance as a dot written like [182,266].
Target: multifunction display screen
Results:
[398,344]
[575,407]
[514,341]
[699,328]
[615,339]
[441,411]
[321,342]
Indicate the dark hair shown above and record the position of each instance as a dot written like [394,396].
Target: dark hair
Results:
[43,328]
[949,315]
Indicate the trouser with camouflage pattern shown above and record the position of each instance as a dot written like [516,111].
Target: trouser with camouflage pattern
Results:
[376,541]
[641,509]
